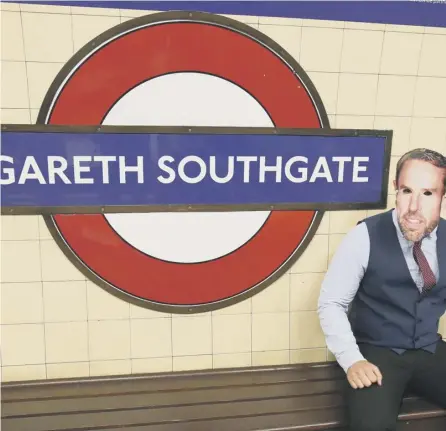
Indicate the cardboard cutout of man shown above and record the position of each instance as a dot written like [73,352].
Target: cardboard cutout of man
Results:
[383,296]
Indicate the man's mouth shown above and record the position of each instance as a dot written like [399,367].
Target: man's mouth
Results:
[414,222]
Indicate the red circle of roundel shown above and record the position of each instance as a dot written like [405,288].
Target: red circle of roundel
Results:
[100,79]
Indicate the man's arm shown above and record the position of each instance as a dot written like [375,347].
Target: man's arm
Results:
[339,287]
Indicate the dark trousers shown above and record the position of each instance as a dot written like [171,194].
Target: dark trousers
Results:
[376,408]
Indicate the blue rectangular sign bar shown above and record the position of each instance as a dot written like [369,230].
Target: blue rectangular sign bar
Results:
[76,169]
[414,12]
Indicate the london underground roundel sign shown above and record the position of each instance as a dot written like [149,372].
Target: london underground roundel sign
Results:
[184,69]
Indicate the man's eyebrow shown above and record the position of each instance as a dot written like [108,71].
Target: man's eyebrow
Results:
[434,189]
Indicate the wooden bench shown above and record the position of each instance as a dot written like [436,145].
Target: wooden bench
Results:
[298,397]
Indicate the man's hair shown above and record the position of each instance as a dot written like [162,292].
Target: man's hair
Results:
[425,155]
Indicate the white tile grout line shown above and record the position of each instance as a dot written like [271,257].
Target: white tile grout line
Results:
[39,242]
[415,91]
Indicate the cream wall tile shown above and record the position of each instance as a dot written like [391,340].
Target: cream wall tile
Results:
[401,53]
[395,95]
[109,339]
[232,360]
[11,35]
[81,10]
[133,13]
[280,21]
[55,265]
[307,356]
[326,84]
[364,26]
[324,225]
[65,301]
[10,6]
[404,28]
[435,30]
[430,133]
[442,326]
[354,121]
[280,357]
[431,62]
[343,221]
[105,306]
[321,49]
[34,115]
[392,172]
[238,308]
[21,303]
[67,370]
[246,19]
[231,333]
[44,232]
[20,228]
[322,23]
[66,342]
[151,338]
[330,357]
[87,27]
[184,363]
[331,120]
[192,335]
[15,116]
[288,37]
[45,8]
[199,314]
[14,88]
[110,368]
[305,289]
[47,37]
[152,365]
[314,258]
[270,331]
[361,51]
[275,298]
[335,241]
[357,94]
[17,256]
[23,344]
[305,331]
[23,372]
[139,312]
[40,77]
[430,95]
[401,132]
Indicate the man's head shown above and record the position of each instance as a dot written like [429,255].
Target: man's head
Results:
[420,186]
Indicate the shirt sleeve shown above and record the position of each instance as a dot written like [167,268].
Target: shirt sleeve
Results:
[339,287]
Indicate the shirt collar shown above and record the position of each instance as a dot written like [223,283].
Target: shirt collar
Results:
[431,236]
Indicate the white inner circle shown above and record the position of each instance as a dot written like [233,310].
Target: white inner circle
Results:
[188,99]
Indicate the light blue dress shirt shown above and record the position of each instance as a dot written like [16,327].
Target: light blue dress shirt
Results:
[342,281]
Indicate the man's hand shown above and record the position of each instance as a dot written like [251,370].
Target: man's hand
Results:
[363,374]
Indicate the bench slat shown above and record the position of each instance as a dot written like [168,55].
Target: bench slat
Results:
[178,413]
[282,423]
[305,397]
[104,421]
[326,419]
[170,398]
[298,406]
[169,381]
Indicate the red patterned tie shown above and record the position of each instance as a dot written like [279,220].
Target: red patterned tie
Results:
[426,271]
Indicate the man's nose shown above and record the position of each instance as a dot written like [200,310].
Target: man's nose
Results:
[414,203]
